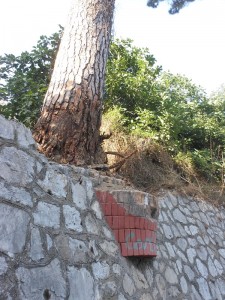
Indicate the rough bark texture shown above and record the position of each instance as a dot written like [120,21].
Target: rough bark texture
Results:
[68,129]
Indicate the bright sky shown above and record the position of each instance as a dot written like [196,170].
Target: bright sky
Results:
[190,43]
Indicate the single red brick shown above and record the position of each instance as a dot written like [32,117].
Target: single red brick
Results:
[121,237]
[126,222]
[152,225]
[155,226]
[138,235]
[146,225]
[130,235]
[150,250]
[136,222]
[140,248]
[149,225]
[149,236]
[109,220]
[121,210]
[108,209]
[131,221]
[142,223]
[115,209]
[110,199]
[143,235]
[136,250]
[130,250]
[127,235]
[104,199]
[115,222]
[121,221]
[124,249]
[116,234]
[146,252]
[133,235]
[135,240]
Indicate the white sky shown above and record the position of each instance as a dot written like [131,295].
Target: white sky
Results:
[190,43]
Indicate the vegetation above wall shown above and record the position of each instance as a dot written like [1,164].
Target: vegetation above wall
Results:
[24,79]
[177,130]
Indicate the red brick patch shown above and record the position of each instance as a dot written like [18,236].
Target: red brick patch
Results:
[135,235]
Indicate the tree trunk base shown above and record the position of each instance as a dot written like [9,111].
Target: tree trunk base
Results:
[61,138]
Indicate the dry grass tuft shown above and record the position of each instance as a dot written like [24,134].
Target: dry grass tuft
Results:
[149,168]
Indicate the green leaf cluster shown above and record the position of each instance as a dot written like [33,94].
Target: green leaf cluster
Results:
[130,70]
[175,5]
[24,79]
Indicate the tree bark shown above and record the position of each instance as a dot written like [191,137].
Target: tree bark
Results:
[68,128]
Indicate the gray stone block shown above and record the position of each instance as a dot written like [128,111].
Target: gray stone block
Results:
[171,276]
[110,248]
[54,183]
[13,229]
[15,195]
[3,265]
[47,215]
[79,195]
[96,208]
[204,289]
[34,283]
[202,268]
[188,271]
[101,270]
[16,166]
[139,279]
[6,129]
[72,250]
[36,251]
[24,136]
[179,216]
[91,225]
[72,218]
[81,284]
[128,285]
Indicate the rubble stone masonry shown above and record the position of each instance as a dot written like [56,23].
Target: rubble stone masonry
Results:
[70,233]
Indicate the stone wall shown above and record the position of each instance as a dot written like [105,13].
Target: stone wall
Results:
[56,244]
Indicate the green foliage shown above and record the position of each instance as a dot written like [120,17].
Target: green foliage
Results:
[24,79]
[129,71]
[175,5]
[181,112]
[114,120]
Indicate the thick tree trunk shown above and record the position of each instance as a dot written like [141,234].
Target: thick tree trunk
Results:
[68,128]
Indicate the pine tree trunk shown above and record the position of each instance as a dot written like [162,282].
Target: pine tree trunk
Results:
[68,128]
